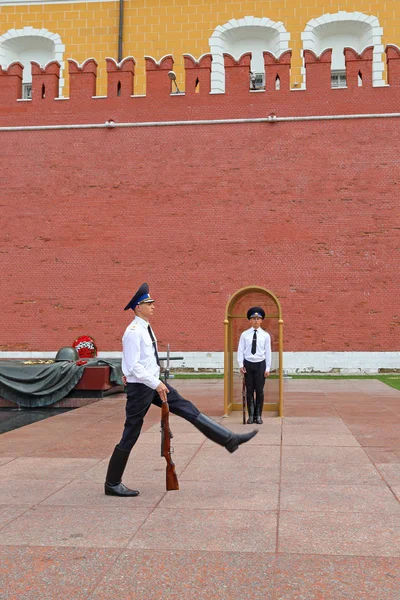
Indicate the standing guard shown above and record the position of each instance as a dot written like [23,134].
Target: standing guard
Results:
[254,359]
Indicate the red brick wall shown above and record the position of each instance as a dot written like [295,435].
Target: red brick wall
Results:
[308,210]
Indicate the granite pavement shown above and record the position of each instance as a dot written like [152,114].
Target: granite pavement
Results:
[308,510]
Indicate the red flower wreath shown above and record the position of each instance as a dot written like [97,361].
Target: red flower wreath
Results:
[85,347]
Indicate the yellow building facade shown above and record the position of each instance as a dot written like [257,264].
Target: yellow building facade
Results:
[31,30]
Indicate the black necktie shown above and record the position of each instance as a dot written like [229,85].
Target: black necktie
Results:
[254,342]
[154,344]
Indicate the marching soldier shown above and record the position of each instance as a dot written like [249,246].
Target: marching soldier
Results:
[141,367]
[254,358]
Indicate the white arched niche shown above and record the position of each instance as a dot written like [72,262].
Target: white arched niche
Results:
[28,44]
[345,30]
[250,34]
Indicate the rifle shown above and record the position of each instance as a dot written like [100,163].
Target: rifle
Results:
[166,435]
[244,400]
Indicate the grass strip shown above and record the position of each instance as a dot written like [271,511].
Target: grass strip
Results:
[391,380]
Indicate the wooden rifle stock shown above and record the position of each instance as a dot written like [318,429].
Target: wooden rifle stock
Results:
[244,400]
[171,476]
[166,435]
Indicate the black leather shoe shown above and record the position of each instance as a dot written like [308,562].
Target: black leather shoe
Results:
[119,490]
[250,420]
[259,420]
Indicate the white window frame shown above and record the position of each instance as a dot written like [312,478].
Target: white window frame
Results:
[58,49]
[338,79]
[218,38]
[311,37]
[257,81]
[27,91]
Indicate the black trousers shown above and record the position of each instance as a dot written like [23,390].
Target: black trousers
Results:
[255,381]
[139,399]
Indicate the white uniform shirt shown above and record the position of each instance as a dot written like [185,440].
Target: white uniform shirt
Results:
[263,349]
[139,363]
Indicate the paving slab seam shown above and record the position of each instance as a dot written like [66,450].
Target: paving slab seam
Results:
[106,572]
[37,503]
[336,512]
[12,459]
[15,518]
[325,446]
[388,485]
[159,502]
[279,490]
[75,410]
[213,510]
[272,595]
[374,465]
[124,548]
[39,447]
[326,393]
[55,492]
[191,459]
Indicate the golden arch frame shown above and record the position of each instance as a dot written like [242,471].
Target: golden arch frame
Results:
[229,405]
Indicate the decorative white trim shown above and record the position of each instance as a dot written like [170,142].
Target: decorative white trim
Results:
[293,362]
[158,62]
[196,60]
[58,50]
[80,66]
[119,64]
[369,23]
[43,67]
[221,32]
